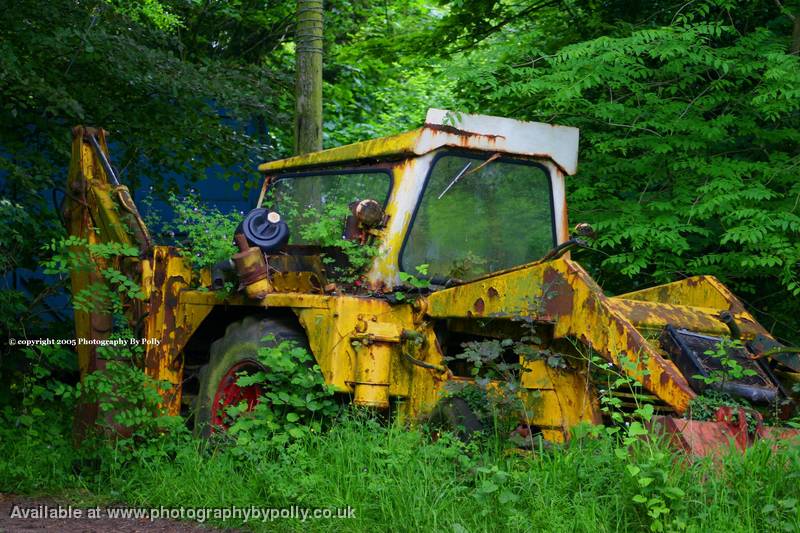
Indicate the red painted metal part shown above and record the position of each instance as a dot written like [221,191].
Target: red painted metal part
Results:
[702,438]
[230,394]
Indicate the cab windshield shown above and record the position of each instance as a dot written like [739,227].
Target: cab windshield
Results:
[480,214]
[314,203]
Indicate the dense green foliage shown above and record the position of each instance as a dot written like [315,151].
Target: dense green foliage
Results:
[690,146]
[295,400]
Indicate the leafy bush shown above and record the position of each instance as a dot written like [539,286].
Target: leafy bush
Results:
[295,402]
[324,228]
[689,143]
[130,403]
[76,254]
[204,234]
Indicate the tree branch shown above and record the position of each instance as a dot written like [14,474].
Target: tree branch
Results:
[785,11]
[795,48]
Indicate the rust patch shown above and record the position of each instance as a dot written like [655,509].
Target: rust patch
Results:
[181,336]
[695,281]
[479,306]
[492,292]
[461,133]
[171,292]
[558,300]
[639,314]
[159,271]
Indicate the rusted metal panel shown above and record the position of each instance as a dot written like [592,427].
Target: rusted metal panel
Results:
[500,134]
[730,430]
[91,213]
[562,293]
[697,291]
[698,438]
[558,399]
[459,130]
[700,319]
[384,147]
[171,321]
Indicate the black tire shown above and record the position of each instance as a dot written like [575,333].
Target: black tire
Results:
[455,415]
[239,346]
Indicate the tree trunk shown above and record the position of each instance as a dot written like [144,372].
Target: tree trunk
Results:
[796,36]
[308,87]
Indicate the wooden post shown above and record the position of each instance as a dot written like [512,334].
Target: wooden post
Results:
[308,85]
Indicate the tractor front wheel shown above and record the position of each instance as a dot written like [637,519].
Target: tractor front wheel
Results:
[231,356]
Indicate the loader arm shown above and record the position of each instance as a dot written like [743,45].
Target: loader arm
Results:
[97,204]
[99,210]
[562,293]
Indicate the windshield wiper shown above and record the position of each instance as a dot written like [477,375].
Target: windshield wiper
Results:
[453,182]
[464,171]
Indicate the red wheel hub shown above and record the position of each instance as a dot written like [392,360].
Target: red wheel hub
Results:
[229,394]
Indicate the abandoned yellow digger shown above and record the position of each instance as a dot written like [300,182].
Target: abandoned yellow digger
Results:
[465,225]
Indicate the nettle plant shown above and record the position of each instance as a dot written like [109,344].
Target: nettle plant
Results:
[731,368]
[204,233]
[295,404]
[646,460]
[493,395]
[324,228]
[704,406]
[77,254]
[129,401]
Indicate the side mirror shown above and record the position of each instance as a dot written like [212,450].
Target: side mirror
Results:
[584,229]
[369,213]
[364,215]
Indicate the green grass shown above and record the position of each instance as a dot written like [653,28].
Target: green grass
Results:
[398,479]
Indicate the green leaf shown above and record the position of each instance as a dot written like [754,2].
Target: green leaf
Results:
[636,429]
[507,497]
[296,432]
[487,487]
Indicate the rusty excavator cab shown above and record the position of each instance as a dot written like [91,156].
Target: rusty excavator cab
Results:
[451,233]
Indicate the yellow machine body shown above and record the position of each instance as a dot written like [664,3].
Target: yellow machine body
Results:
[383,352]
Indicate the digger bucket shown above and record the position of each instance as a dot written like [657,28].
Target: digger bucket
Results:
[739,428]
